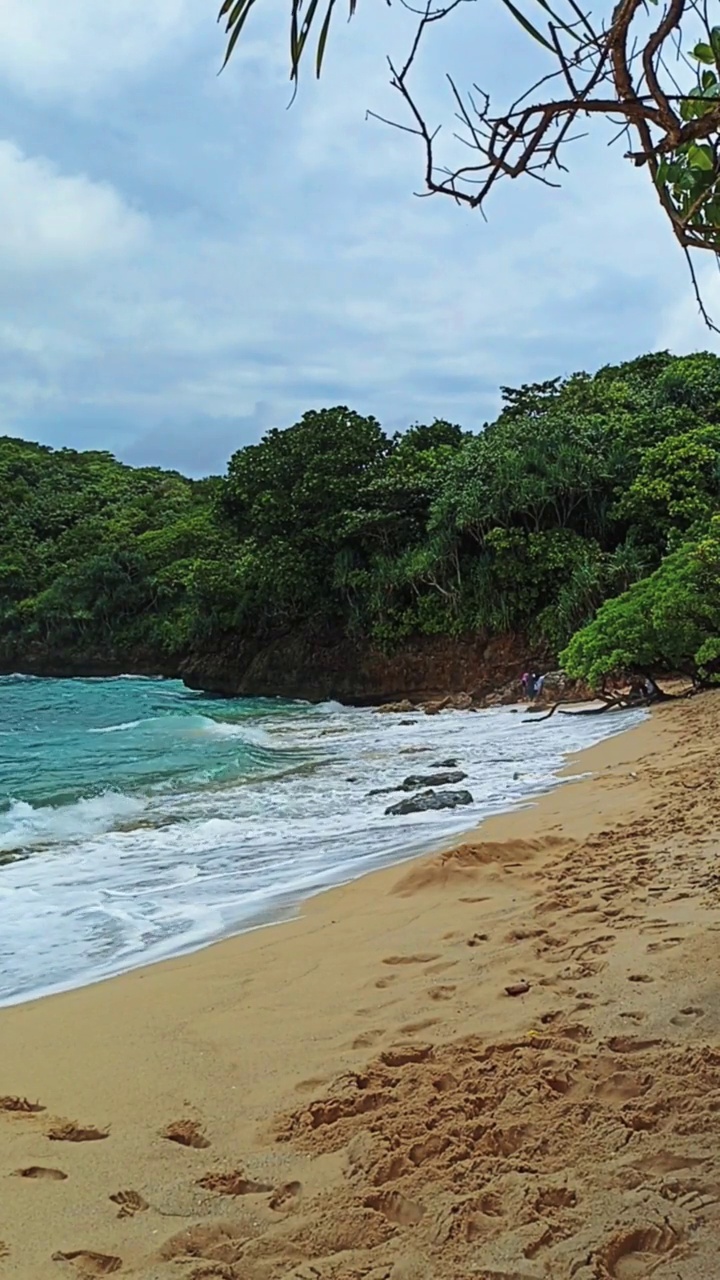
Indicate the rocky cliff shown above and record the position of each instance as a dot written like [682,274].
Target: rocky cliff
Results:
[295,666]
[423,669]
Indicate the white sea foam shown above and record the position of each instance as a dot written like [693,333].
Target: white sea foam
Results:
[250,733]
[23,826]
[119,728]
[131,879]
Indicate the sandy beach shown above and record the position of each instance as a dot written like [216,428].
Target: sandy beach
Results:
[500,1062]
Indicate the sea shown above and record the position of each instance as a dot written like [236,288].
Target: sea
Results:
[140,820]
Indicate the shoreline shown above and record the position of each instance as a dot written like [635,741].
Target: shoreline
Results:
[386,1107]
[293,907]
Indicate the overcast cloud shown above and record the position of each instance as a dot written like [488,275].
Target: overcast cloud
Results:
[184,262]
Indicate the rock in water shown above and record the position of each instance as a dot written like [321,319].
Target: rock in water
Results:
[445,764]
[430,800]
[431,780]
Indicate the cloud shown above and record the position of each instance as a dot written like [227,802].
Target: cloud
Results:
[191,263]
[50,220]
[81,47]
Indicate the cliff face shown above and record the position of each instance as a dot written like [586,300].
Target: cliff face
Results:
[295,666]
[425,668]
[40,661]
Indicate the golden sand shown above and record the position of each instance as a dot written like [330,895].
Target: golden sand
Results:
[357,1095]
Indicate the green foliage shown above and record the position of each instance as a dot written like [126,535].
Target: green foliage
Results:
[677,486]
[86,546]
[668,621]
[332,528]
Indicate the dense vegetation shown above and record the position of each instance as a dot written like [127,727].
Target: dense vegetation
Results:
[585,518]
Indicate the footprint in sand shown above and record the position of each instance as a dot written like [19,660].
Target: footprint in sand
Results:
[87,1263]
[634,1254]
[4,1250]
[285,1195]
[630,1044]
[309,1086]
[555,1198]
[131,1202]
[210,1241]
[442,993]
[41,1171]
[367,1039]
[23,1106]
[187,1133]
[522,934]
[218,1271]
[401,1055]
[422,958]
[396,1208]
[668,1162]
[622,1086]
[686,1015]
[234,1183]
[410,1028]
[70,1131]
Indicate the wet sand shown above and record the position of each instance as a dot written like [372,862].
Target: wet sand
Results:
[355,1093]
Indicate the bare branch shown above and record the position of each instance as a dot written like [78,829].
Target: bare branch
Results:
[617,69]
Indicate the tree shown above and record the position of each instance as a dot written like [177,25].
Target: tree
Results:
[669,621]
[332,530]
[623,68]
[676,488]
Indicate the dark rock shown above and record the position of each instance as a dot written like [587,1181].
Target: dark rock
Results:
[430,800]
[421,780]
[394,707]
[430,780]
[445,764]
[406,722]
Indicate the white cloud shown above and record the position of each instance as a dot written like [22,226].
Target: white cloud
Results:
[283,261]
[51,220]
[77,47]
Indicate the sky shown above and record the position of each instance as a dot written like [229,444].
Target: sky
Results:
[186,260]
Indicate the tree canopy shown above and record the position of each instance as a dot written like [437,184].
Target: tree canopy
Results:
[584,519]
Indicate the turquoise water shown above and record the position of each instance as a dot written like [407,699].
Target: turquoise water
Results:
[139,819]
[66,740]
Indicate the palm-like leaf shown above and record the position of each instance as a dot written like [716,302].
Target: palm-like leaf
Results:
[236,13]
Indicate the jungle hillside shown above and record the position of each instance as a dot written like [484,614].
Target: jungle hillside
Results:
[583,523]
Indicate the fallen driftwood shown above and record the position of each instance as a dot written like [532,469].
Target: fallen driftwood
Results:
[631,701]
[613,704]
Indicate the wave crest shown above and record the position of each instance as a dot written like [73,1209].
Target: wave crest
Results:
[24,826]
